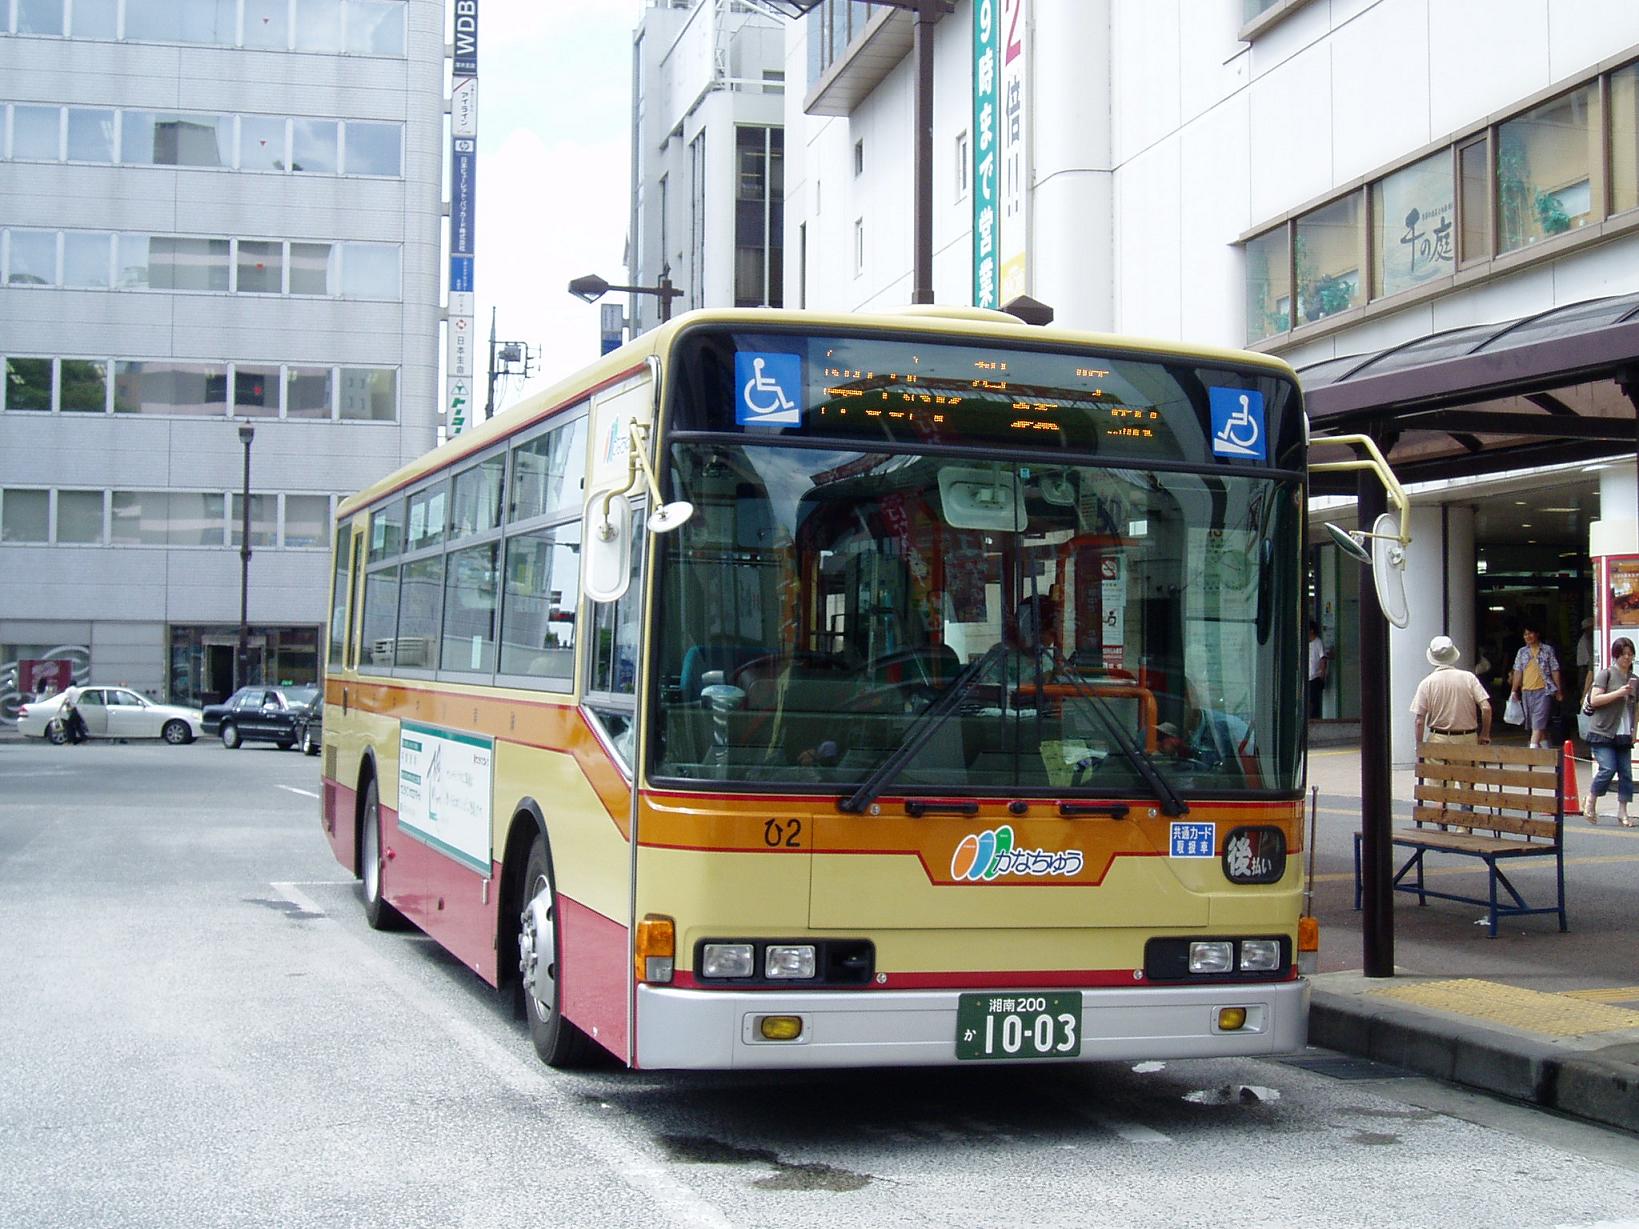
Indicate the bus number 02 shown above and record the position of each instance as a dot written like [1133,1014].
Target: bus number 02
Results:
[777,834]
[1041,1034]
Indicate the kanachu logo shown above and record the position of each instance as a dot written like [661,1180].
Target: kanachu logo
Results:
[982,856]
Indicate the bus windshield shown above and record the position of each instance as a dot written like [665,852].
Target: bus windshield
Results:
[1099,626]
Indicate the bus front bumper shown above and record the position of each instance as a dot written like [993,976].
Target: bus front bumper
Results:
[721,1029]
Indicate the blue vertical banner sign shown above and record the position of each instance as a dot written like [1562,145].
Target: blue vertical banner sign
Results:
[986,152]
[458,332]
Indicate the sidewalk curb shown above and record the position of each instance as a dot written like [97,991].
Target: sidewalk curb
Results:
[1582,1085]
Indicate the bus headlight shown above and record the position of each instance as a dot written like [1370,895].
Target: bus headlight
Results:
[727,960]
[796,960]
[1260,955]
[1213,956]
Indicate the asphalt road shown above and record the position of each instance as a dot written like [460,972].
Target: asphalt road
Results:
[200,1030]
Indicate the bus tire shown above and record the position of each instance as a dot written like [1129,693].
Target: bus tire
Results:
[373,865]
[540,944]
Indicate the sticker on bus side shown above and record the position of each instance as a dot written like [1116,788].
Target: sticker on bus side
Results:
[1193,840]
[444,787]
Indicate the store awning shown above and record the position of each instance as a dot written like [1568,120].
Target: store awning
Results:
[1549,389]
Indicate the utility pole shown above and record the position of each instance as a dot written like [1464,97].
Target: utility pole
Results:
[509,352]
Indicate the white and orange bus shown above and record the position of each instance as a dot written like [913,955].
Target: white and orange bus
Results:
[800,690]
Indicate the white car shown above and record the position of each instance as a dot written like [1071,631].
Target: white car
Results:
[113,712]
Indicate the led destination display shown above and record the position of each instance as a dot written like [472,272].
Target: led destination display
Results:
[923,392]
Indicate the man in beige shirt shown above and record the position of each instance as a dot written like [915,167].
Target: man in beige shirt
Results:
[1450,705]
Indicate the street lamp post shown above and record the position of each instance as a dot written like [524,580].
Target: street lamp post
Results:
[592,288]
[241,663]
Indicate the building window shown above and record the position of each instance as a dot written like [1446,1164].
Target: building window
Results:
[315,146]
[1523,181]
[264,520]
[267,24]
[166,518]
[859,157]
[260,267]
[32,258]
[1474,230]
[183,21]
[307,521]
[1268,286]
[373,149]
[190,390]
[859,246]
[40,17]
[369,394]
[84,386]
[964,165]
[308,392]
[28,384]
[1328,249]
[79,517]
[90,132]
[759,217]
[150,138]
[1544,160]
[369,270]
[34,133]
[255,391]
[25,516]
[1414,226]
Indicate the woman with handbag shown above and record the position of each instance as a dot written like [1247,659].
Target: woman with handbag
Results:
[1610,711]
[1535,683]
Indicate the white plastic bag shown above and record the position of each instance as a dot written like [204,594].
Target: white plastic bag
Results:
[1514,712]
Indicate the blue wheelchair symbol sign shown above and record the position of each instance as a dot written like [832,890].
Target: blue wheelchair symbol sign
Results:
[1237,423]
[769,389]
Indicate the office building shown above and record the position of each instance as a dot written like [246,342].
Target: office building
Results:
[213,214]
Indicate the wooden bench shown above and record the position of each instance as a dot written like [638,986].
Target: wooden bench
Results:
[1518,800]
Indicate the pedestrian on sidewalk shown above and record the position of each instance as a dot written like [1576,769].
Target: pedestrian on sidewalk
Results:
[1450,705]
[1610,709]
[1535,680]
[1318,657]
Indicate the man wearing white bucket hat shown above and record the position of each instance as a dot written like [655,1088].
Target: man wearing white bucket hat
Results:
[1450,705]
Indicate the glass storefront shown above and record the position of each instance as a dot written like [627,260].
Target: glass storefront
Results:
[201,668]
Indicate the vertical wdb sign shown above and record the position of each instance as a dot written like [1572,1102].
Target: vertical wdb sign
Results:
[986,222]
[463,217]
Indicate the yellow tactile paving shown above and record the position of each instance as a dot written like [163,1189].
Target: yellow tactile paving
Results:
[1606,994]
[1556,1015]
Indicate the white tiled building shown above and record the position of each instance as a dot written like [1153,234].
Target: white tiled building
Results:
[707,156]
[212,212]
[1413,166]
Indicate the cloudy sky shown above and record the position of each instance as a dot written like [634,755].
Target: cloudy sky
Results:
[554,102]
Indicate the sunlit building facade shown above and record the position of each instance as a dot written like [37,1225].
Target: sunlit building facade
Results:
[213,213]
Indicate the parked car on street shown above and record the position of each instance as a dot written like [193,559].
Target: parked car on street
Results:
[287,716]
[112,712]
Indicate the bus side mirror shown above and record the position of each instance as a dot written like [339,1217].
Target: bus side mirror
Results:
[606,548]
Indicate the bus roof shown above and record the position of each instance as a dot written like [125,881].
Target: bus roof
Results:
[956,322]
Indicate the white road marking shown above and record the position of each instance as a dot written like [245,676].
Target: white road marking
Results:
[1133,1133]
[644,1174]
[305,793]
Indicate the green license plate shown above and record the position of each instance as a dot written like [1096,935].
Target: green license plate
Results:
[1013,1025]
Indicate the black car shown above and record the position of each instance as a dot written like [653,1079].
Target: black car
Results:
[288,716]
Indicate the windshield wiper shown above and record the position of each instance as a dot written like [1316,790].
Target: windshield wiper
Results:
[922,729]
[1171,804]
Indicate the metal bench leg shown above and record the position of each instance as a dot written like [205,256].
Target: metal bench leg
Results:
[1357,884]
[1491,865]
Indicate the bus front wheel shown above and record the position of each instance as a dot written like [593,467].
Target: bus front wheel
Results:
[540,946]
[372,862]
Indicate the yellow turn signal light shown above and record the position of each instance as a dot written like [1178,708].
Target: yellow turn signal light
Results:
[1308,934]
[781,1028]
[656,948]
[1231,1019]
